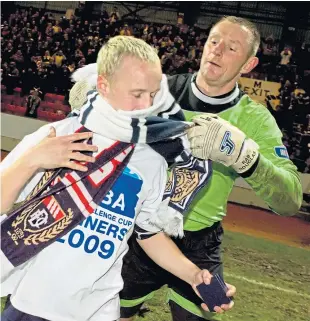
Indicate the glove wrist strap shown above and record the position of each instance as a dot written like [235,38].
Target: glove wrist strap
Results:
[248,156]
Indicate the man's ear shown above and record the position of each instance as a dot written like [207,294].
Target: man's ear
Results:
[103,85]
[251,63]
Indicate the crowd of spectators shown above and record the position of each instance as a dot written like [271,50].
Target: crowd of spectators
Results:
[277,62]
[291,109]
[40,50]
[39,53]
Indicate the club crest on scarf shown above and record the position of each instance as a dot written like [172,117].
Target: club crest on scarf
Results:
[40,223]
[35,224]
[185,181]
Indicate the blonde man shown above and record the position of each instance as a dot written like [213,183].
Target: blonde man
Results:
[78,277]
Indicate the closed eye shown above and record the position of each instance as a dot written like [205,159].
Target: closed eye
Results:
[153,94]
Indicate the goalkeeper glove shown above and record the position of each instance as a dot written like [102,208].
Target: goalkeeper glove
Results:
[216,139]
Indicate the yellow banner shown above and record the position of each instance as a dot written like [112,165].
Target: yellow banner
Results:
[259,89]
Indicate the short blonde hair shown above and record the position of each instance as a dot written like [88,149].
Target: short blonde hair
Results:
[111,54]
[250,27]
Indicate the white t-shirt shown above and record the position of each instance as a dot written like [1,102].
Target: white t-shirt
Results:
[78,277]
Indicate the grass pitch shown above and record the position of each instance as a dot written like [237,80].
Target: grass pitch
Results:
[272,280]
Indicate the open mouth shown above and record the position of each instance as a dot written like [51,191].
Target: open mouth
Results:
[213,63]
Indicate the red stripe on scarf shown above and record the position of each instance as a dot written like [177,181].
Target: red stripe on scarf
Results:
[80,194]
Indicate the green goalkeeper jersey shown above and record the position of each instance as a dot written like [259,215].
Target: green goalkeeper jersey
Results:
[275,179]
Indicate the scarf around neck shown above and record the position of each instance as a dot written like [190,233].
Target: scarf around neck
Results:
[63,198]
[167,137]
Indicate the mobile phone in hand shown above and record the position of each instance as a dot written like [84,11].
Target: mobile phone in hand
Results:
[214,294]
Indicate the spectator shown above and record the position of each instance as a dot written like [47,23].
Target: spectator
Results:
[81,63]
[18,58]
[307,168]
[114,16]
[49,31]
[71,68]
[41,82]
[269,55]
[85,28]
[5,33]
[116,32]
[35,33]
[12,78]
[303,58]
[104,16]
[33,103]
[125,31]
[42,25]
[286,55]
[56,47]
[8,52]
[66,44]
[59,58]
[28,79]
[78,56]
[91,56]
[56,28]
[47,59]
[79,10]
